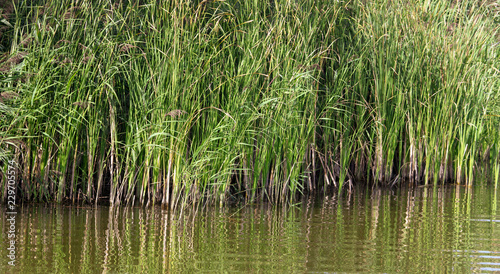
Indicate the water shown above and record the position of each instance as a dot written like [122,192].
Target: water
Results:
[420,230]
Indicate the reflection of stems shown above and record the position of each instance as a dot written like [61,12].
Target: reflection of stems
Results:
[107,250]
[410,203]
[166,244]
[375,199]
[86,250]
[309,213]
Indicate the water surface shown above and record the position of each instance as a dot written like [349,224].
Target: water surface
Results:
[417,230]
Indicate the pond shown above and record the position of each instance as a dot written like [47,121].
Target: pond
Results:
[406,230]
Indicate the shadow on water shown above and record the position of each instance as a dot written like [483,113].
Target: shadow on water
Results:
[421,229]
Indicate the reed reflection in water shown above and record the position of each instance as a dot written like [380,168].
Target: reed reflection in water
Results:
[431,230]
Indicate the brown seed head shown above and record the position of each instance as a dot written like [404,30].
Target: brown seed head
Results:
[58,44]
[26,41]
[175,113]
[69,15]
[83,105]
[18,58]
[126,47]
[86,59]
[14,142]
[7,95]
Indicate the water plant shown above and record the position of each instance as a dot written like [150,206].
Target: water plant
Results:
[181,102]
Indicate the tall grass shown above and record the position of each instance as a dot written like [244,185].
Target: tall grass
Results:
[177,102]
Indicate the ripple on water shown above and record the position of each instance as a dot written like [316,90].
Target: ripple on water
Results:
[438,231]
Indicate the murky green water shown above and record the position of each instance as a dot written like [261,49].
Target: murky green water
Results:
[419,230]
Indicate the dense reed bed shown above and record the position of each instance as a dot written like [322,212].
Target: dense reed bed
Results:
[177,102]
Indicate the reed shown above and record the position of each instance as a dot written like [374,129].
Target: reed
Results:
[201,102]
